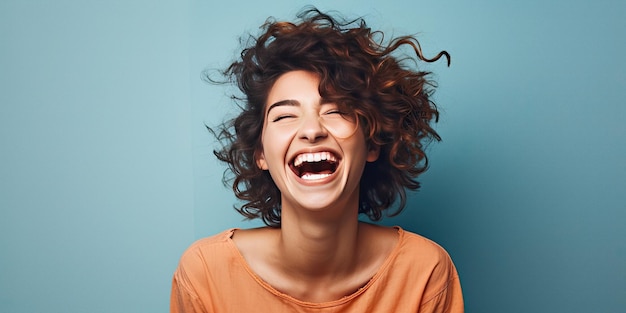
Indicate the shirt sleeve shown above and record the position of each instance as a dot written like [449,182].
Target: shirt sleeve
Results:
[183,300]
[449,300]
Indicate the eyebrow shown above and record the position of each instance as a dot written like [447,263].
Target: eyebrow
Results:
[291,102]
[288,102]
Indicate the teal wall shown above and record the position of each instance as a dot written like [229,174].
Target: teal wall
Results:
[106,171]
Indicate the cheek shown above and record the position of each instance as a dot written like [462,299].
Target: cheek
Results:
[277,134]
[274,144]
[340,127]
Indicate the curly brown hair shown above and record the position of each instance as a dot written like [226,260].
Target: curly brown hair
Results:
[359,71]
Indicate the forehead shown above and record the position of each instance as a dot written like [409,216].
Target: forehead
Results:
[302,86]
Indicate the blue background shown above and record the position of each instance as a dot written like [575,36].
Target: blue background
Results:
[107,175]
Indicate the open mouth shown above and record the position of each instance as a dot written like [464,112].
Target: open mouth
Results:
[312,166]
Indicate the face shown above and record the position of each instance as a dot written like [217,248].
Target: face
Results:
[314,152]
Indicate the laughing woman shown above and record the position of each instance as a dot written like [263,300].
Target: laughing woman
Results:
[333,125]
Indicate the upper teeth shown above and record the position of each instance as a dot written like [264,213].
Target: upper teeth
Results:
[314,157]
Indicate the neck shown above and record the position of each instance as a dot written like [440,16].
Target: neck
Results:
[318,249]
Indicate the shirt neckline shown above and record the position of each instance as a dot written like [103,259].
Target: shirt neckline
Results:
[380,272]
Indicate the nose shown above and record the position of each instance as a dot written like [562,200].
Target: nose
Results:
[312,129]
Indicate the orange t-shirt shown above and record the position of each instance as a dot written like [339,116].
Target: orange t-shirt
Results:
[418,276]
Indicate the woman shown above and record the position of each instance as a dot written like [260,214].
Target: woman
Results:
[332,125]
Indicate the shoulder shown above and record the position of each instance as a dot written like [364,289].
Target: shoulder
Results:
[421,257]
[200,261]
[406,246]
[216,241]
[418,246]
[255,240]
[224,250]
[430,264]
[421,249]
[206,251]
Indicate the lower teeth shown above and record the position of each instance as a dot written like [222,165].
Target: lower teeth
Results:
[314,176]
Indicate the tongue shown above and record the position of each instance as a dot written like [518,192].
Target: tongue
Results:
[316,168]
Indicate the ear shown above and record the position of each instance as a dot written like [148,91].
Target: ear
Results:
[373,151]
[260,160]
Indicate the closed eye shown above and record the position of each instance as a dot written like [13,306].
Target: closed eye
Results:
[282,117]
[330,108]
[335,112]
